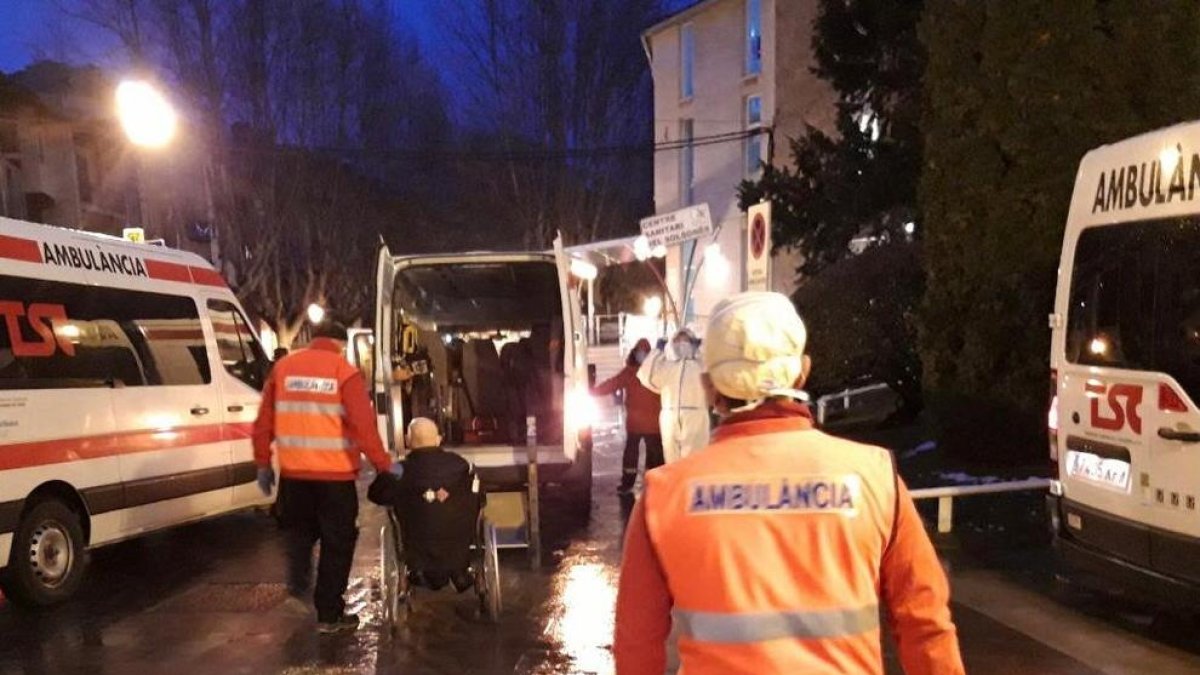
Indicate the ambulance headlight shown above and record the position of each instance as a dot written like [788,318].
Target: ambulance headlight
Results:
[582,410]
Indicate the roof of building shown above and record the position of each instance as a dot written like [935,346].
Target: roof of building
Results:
[14,97]
[679,17]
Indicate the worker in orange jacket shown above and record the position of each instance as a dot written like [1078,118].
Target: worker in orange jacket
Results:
[774,547]
[316,411]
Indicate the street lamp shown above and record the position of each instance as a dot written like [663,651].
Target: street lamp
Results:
[584,270]
[146,115]
[316,313]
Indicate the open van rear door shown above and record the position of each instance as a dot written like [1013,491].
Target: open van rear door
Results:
[385,285]
[574,354]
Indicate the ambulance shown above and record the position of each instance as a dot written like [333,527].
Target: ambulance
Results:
[129,381]
[1125,370]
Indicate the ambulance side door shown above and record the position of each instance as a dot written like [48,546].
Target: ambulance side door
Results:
[166,394]
[240,368]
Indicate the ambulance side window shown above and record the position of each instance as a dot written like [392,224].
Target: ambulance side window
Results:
[239,350]
[58,335]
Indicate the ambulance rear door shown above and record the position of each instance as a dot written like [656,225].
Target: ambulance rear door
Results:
[578,407]
[1128,388]
[387,403]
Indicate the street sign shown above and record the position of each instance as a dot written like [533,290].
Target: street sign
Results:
[135,234]
[676,227]
[758,247]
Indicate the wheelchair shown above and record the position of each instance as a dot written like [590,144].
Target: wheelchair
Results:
[399,580]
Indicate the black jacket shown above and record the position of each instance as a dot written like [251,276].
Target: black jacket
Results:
[437,505]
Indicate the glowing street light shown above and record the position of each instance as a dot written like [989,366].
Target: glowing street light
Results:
[146,115]
[316,313]
[641,248]
[652,306]
[716,267]
[583,269]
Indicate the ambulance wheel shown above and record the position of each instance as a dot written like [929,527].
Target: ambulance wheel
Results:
[48,559]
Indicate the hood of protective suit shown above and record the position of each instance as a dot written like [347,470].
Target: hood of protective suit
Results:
[754,346]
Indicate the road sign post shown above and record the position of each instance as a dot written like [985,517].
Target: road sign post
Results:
[758,247]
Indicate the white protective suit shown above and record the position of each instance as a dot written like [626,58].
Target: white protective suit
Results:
[684,419]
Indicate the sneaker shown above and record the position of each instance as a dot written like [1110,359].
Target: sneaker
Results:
[343,624]
[294,606]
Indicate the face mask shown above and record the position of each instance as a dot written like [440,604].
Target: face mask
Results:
[685,350]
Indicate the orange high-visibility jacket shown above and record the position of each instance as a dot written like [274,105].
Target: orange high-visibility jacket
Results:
[316,410]
[772,550]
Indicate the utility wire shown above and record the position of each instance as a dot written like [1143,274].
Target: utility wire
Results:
[628,150]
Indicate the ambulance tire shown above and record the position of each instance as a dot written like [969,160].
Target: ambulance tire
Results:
[48,556]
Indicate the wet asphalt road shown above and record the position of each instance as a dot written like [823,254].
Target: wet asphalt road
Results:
[205,599]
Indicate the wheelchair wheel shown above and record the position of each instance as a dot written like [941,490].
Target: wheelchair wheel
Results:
[487,574]
[394,576]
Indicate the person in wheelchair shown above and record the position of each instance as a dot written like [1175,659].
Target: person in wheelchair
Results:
[437,501]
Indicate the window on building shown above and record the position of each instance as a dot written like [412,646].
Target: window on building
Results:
[9,140]
[687,61]
[687,163]
[83,176]
[56,335]
[240,352]
[754,141]
[753,37]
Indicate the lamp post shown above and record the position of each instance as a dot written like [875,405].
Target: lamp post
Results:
[644,252]
[149,122]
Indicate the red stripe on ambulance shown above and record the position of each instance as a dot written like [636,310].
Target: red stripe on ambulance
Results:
[167,271]
[62,450]
[207,277]
[15,248]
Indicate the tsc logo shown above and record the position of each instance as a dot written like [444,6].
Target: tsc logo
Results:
[41,318]
[1122,402]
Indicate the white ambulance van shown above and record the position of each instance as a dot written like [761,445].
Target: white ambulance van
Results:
[492,347]
[129,380]
[1125,369]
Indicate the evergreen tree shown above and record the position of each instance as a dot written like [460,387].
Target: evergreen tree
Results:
[861,182]
[1016,91]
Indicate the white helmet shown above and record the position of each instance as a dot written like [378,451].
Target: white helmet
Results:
[754,347]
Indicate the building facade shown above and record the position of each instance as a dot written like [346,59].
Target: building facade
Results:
[60,167]
[65,161]
[733,81]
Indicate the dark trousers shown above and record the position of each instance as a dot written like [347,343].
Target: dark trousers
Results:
[324,511]
[629,461]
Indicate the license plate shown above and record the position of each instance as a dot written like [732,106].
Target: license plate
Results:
[1109,473]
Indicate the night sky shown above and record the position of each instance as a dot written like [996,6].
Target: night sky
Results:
[30,29]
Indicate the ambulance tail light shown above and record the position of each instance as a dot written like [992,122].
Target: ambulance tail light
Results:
[1169,400]
[1052,417]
